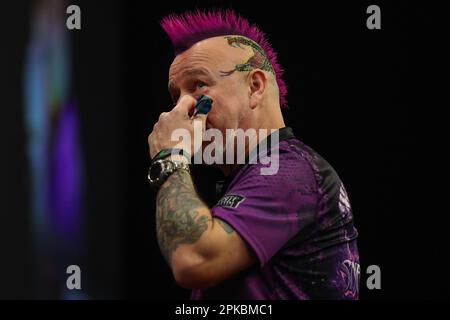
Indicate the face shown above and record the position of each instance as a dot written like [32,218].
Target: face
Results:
[200,70]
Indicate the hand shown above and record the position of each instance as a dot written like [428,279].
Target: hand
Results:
[169,122]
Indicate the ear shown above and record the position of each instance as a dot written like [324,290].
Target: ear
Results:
[257,86]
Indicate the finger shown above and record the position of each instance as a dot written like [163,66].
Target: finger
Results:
[185,105]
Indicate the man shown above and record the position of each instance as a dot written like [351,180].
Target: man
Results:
[288,235]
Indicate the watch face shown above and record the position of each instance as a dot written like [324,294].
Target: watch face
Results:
[159,171]
[155,171]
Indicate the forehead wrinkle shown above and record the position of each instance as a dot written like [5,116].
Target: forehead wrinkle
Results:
[189,61]
[190,72]
[196,71]
[205,52]
[184,68]
[214,52]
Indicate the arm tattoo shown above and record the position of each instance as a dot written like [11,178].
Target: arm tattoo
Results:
[178,220]
[225,226]
[259,59]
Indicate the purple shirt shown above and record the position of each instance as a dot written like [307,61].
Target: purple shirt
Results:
[299,224]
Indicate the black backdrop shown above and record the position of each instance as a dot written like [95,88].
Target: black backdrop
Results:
[348,96]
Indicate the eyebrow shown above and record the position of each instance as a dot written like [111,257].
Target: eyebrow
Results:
[192,73]
[195,72]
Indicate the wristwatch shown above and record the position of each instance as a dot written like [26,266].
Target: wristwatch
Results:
[160,170]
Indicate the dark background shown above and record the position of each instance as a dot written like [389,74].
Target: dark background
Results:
[349,98]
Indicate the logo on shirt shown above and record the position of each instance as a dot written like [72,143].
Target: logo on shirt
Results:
[350,271]
[230,201]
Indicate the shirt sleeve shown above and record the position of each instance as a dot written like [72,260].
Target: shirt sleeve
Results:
[268,210]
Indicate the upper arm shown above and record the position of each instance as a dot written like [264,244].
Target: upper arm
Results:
[228,252]
[218,254]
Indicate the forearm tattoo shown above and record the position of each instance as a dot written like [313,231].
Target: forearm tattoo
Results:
[258,60]
[178,218]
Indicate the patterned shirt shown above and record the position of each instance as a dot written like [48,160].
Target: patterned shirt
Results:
[299,224]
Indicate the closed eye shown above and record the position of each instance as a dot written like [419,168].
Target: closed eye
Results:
[196,85]
[201,84]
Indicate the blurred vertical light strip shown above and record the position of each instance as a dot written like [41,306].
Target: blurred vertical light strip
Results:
[54,150]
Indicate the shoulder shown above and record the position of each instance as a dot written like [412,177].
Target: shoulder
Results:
[288,162]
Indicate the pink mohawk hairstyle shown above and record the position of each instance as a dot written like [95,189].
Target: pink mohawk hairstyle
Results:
[187,28]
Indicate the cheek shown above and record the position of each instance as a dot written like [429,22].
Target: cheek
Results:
[215,116]
[228,104]
[221,115]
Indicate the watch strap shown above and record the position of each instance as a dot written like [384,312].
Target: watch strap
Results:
[164,153]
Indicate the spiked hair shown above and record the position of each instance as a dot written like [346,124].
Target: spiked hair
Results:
[187,28]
